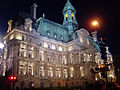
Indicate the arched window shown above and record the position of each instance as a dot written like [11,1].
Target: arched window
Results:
[72,15]
[55,35]
[66,16]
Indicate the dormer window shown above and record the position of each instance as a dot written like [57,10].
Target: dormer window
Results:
[55,35]
[66,16]
[48,33]
[28,24]
[72,15]
[62,37]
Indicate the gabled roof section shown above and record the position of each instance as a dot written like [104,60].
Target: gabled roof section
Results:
[68,6]
[52,30]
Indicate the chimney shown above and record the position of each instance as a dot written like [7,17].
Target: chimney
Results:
[33,10]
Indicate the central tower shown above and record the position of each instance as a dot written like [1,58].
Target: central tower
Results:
[69,17]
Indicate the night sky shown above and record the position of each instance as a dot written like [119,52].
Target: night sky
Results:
[106,11]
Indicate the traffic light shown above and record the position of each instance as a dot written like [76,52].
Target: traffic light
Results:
[12,78]
[102,66]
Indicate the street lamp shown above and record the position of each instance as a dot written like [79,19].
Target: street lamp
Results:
[95,23]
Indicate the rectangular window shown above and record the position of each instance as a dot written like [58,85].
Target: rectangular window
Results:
[71,71]
[81,71]
[57,73]
[41,71]
[65,73]
[53,47]
[81,39]
[30,70]
[45,45]
[60,48]
[50,72]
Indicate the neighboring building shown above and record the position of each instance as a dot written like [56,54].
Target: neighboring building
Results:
[1,53]
[42,53]
[117,67]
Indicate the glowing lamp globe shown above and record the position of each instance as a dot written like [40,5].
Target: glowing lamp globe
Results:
[94,23]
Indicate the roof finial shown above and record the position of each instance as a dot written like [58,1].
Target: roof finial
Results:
[43,15]
[68,1]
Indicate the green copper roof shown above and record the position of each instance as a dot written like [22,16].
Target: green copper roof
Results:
[68,6]
[52,30]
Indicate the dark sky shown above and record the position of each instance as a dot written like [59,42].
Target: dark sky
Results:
[106,11]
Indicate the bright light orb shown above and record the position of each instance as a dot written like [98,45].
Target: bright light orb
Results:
[94,23]
[1,45]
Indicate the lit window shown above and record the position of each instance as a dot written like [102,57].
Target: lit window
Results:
[87,41]
[57,73]
[65,73]
[60,48]
[30,28]
[45,44]
[81,39]
[55,36]
[41,53]
[23,51]
[30,70]
[71,71]
[5,53]
[70,48]
[72,16]
[53,47]
[21,71]
[85,57]
[50,72]
[88,57]
[64,60]
[81,71]
[71,58]
[18,36]
[66,16]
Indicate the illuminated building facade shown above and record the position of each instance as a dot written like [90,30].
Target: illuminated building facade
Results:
[42,53]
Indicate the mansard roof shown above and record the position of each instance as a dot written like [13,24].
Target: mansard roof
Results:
[68,6]
[46,26]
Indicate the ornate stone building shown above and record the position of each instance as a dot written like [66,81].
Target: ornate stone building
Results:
[42,53]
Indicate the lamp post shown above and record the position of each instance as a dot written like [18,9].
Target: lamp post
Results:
[94,33]
[95,23]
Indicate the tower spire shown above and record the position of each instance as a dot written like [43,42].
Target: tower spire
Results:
[69,17]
